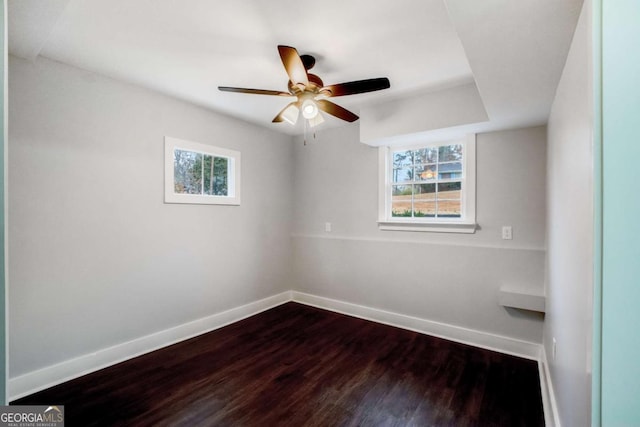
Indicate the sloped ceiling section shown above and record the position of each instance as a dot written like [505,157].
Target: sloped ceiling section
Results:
[30,24]
[499,60]
[516,51]
[413,117]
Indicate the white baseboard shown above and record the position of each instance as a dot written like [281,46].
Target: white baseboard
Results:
[551,416]
[49,376]
[512,346]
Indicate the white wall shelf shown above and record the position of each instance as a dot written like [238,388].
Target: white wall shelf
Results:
[522,299]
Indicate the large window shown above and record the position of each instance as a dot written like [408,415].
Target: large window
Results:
[430,187]
[200,173]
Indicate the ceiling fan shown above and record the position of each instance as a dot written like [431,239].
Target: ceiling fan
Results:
[311,92]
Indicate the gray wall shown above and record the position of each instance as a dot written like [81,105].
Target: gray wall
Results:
[570,231]
[450,278]
[96,257]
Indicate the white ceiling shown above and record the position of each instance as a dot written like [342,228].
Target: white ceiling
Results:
[514,51]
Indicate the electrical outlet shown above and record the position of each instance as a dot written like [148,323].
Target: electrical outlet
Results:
[327,227]
[554,349]
[507,232]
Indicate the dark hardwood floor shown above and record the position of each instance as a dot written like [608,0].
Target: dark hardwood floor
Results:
[299,366]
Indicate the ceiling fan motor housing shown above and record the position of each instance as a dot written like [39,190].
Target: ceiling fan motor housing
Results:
[308,61]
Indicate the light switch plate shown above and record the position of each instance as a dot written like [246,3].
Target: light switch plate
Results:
[507,232]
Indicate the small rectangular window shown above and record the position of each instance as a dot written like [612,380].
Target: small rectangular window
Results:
[201,173]
[429,187]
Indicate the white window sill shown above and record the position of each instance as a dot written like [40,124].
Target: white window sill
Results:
[437,227]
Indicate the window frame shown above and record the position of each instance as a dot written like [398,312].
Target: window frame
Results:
[467,221]
[233,173]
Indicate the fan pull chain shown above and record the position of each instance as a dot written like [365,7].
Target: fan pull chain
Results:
[306,126]
[305,132]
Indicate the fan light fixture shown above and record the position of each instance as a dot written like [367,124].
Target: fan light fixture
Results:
[309,109]
[310,91]
[290,114]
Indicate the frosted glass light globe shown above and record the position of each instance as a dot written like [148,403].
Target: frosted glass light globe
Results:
[309,109]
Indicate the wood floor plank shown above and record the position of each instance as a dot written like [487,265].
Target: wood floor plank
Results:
[296,365]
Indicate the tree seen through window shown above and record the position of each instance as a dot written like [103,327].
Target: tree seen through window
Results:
[427,182]
[199,173]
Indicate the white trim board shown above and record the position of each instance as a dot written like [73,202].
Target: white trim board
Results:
[486,340]
[49,376]
[549,404]
[413,242]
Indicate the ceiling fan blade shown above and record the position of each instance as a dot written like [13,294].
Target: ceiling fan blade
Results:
[358,86]
[336,110]
[289,113]
[293,65]
[253,91]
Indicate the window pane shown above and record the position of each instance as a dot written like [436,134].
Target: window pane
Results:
[401,200]
[450,153]
[423,192]
[401,190]
[424,200]
[450,170]
[187,170]
[425,173]
[403,175]
[207,173]
[449,209]
[424,209]
[402,159]
[220,176]
[449,190]
[426,155]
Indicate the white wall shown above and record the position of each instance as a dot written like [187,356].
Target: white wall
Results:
[570,231]
[96,257]
[450,278]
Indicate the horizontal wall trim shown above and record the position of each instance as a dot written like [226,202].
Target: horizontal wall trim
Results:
[416,242]
[502,344]
[49,376]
